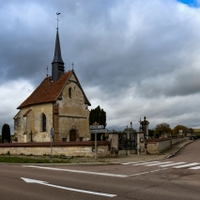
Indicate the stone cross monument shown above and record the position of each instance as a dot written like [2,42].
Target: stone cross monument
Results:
[145,127]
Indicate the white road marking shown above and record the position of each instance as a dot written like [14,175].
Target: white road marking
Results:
[27,180]
[158,163]
[142,173]
[197,167]
[128,163]
[93,173]
[186,165]
[172,164]
[78,171]
[163,164]
[143,163]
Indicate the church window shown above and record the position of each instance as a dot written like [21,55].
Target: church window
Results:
[44,123]
[70,93]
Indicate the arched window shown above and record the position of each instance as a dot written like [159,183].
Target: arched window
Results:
[44,123]
[70,93]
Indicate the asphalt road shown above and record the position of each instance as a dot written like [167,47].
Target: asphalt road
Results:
[175,178]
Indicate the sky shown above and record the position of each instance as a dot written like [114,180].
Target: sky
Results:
[133,58]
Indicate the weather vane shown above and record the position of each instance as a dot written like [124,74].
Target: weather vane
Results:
[57,18]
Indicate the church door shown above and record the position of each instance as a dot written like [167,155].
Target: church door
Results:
[72,135]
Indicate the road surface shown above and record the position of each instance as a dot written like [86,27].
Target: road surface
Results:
[177,178]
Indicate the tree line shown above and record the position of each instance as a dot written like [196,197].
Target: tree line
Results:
[98,115]
[165,128]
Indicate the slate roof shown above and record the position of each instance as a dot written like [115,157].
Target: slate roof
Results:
[57,52]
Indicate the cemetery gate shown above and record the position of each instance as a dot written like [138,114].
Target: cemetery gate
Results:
[127,142]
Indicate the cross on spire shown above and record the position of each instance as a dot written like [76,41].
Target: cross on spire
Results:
[57,18]
[58,67]
[47,71]
[72,66]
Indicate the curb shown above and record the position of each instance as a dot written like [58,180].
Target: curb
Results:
[180,149]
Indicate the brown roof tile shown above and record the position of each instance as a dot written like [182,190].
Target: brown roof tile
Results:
[47,91]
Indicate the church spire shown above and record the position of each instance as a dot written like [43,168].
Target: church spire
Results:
[57,63]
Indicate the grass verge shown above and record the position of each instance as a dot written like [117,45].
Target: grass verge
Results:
[31,159]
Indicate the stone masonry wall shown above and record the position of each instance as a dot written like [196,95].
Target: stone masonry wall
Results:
[156,146]
[32,124]
[73,112]
[73,149]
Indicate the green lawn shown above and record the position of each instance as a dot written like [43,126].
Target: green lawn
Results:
[31,159]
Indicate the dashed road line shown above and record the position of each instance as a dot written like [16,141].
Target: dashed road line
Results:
[176,165]
[154,164]
[143,163]
[142,173]
[128,163]
[186,165]
[197,167]
[172,164]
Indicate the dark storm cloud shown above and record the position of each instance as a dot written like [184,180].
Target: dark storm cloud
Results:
[157,46]
[28,37]
[132,58]
[24,51]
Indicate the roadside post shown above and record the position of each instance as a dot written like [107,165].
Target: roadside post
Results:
[51,138]
[95,145]
[97,129]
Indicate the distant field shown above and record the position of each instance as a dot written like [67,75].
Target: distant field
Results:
[197,132]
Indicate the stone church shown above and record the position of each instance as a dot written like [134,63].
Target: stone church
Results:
[59,102]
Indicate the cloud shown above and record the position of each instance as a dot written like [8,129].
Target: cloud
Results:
[12,95]
[134,59]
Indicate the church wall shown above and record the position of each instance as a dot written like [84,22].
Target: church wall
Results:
[17,124]
[79,125]
[38,134]
[31,125]
[73,113]
[68,114]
